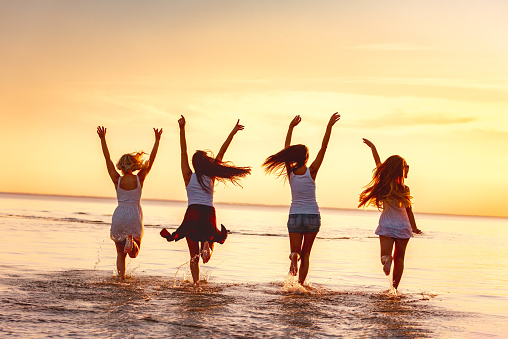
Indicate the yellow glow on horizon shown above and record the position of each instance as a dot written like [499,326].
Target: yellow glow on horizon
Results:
[413,79]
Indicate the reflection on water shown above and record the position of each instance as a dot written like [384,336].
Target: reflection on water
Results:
[93,303]
[47,287]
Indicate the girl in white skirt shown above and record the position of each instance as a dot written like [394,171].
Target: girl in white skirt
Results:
[127,223]
[388,193]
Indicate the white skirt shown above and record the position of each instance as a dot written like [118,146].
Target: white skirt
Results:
[127,219]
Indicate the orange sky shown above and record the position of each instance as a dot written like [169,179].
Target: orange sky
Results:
[425,80]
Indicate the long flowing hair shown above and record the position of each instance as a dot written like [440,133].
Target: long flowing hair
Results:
[387,184]
[286,161]
[205,164]
[131,162]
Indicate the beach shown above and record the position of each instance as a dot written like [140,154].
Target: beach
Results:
[58,276]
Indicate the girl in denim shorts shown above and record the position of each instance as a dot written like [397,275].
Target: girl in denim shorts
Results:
[304,218]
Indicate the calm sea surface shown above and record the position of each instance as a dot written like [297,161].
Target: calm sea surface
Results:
[57,276]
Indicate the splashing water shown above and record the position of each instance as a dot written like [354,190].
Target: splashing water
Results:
[291,285]
[392,291]
[99,250]
[187,276]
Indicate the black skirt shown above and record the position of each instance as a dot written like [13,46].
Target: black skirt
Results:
[199,224]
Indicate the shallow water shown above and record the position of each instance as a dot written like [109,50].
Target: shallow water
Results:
[57,276]
[92,303]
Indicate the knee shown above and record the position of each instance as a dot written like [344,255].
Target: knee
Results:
[398,257]
[305,255]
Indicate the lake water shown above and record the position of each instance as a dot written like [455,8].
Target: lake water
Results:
[57,276]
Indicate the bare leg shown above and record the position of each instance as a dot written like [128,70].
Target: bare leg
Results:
[308,241]
[136,244]
[386,252]
[295,244]
[194,262]
[120,259]
[398,260]
[206,251]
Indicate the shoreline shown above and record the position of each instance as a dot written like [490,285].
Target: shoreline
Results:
[228,203]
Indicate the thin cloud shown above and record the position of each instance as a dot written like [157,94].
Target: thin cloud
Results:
[401,119]
[433,82]
[392,47]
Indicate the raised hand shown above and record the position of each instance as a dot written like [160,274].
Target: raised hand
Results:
[377,160]
[158,132]
[334,118]
[226,143]
[181,122]
[101,131]
[368,143]
[296,120]
[238,127]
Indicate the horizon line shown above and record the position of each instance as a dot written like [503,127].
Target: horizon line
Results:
[243,204]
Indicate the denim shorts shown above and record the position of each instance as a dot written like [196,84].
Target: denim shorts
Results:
[304,223]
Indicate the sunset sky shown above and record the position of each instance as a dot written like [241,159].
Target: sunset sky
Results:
[427,80]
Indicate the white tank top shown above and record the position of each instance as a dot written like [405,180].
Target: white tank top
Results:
[128,197]
[196,194]
[303,194]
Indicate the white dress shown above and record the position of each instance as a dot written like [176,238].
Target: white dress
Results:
[128,215]
[394,222]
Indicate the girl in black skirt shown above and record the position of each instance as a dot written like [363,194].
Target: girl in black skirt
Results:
[199,226]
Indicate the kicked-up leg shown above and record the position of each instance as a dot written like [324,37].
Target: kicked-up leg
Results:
[206,251]
[295,244]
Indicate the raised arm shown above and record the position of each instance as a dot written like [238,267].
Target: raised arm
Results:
[184,158]
[113,174]
[374,151]
[226,143]
[144,172]
[296,120]
[314,167]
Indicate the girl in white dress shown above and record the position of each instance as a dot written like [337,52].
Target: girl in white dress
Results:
[127,222]
[396,225]
[304,219]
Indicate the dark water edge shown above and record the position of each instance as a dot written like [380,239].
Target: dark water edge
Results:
[87,303]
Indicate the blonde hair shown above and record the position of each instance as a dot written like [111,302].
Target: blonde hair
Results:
[131,162]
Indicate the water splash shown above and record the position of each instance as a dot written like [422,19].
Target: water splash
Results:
[392,291]
[187,275]
[99,250]
[291,285]
[129,272]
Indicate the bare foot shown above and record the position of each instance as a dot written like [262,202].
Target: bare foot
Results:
[386,260]
[206,253]
[128,244]
[135,250]
[293,268]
